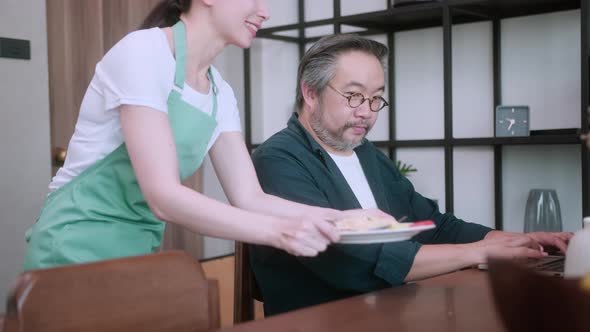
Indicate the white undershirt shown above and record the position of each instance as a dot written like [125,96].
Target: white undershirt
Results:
[352,170]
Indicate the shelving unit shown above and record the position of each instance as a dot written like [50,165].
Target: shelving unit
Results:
[445,14]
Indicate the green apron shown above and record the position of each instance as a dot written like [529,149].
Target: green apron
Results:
[102,213]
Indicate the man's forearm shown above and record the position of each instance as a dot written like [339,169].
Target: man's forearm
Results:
[433,260]
[500,234]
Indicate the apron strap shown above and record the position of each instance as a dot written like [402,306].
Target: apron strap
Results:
[214,88]
[180,53]
[179,31]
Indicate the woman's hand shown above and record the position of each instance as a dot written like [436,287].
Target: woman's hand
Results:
[305,236]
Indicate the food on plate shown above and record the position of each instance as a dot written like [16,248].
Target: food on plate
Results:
[364,223]
[373,223]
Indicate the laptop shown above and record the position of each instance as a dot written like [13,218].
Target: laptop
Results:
[552,265]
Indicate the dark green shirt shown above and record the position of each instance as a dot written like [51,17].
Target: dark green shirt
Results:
[292,165]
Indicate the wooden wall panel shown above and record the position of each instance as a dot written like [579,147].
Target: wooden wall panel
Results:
[123,16]
[74,47]
[58,41]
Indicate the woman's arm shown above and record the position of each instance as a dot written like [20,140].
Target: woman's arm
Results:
[236,173]
[152,151]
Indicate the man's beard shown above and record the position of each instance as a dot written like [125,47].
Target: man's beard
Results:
[336,140]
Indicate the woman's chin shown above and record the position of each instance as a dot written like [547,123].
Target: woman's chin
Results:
[242,43]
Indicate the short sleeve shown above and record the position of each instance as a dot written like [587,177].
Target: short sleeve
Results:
[138,70]
[229,116]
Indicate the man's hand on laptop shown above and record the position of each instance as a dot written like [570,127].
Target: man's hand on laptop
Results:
[505,247]
[558,240]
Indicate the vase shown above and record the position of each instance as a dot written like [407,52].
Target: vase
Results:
[542,213]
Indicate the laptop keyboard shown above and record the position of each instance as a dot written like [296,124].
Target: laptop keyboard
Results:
[556,266]
[549,263]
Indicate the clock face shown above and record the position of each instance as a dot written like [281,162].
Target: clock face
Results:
[512,121]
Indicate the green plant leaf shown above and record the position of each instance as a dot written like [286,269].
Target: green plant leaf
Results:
[405,169]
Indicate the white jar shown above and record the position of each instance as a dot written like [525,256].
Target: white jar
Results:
[577,258]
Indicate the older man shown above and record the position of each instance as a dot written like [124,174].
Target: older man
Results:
[322,158]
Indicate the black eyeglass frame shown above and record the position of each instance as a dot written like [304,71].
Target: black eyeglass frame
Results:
[371,99]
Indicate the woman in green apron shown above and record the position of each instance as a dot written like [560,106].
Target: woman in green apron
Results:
[154,109]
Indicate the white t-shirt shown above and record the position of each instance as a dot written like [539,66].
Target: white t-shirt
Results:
[351,168]
[138,70]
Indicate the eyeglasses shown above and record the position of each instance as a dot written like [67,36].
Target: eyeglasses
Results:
[356,99]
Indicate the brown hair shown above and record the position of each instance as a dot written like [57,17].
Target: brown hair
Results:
[166,13]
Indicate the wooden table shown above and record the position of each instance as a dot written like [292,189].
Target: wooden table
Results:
[460,301]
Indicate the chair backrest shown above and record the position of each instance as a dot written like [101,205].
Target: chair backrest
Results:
[160,292]
[246,289]
[528,301]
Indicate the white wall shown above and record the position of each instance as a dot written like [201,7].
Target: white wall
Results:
[542,167]
[540,68]
[429,180]
[473,94]
[272,103]
[419,99]
[473,169]
[24,133]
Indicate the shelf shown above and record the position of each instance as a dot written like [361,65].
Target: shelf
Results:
[430,15]
[426,143]
[488,141]
[416,17]
[397,19]
[514,8]
[526,140]
[404,18]
[381,144]
[477,141]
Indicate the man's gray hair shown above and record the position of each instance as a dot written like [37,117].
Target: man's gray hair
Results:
[318,66]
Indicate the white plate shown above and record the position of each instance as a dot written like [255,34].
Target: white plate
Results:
[381,235]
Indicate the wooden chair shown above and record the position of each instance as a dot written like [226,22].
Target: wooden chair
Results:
[246,289]
[528,301]
[160,292]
